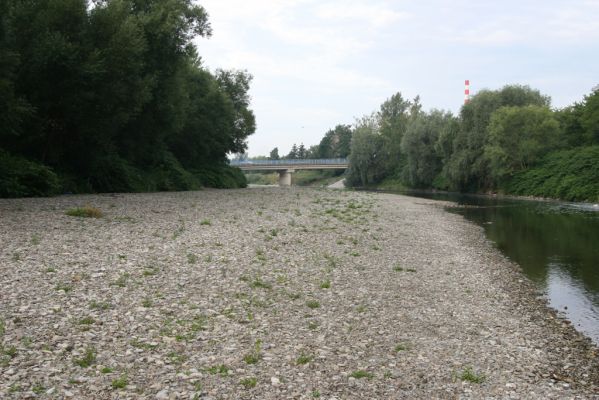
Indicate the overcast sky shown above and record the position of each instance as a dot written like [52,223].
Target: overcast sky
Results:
[319,63]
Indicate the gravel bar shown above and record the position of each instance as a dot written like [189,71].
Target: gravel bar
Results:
[272,293]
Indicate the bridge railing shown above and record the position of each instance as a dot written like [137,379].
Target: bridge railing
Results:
[321,161]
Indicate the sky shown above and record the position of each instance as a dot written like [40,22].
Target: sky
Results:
[318,63]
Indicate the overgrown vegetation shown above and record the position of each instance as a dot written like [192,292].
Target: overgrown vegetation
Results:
[107,96]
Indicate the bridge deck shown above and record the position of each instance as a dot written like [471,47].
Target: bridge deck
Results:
[279,165]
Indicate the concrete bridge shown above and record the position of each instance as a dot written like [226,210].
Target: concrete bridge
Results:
[286,167]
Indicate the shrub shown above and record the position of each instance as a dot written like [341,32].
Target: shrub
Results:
[20,177]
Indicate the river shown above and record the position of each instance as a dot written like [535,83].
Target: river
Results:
[555,243]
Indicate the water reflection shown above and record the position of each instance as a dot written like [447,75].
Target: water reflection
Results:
[566,295]
[555,243]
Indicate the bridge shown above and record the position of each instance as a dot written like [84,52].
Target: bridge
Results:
[286,167]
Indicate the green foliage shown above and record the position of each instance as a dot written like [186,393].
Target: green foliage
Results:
[84,212]
[335,143]
[469,375]
[518,138]
[88,358]
[359,374]
[113,97]
[274,154]
[568,174]
[120,383]
[589,118]
[249,383]
[22,178]
[467,168]
[423,163]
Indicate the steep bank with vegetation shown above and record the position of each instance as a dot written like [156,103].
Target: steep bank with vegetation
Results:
[110,96]
[569,174]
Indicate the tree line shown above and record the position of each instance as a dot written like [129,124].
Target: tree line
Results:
[508,140]
[112,95]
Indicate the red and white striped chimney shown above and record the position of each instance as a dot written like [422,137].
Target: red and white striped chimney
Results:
[466,91]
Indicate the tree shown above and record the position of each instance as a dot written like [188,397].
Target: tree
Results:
[423,161]
[467,168]
[114,96]
[366,146]
[336,143]
[589,118]
[293,154]
[518,138]
[274,154]
[301,151]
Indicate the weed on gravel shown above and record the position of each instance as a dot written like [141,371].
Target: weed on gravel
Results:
[249,383]
[84,212]
[120,383]
[469,375]
[89,357]
[359,374]
[313,304]
[303,359]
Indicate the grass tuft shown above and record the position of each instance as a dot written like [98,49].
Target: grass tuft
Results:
[469,375]
[84,212]
[359,374]
[249,383]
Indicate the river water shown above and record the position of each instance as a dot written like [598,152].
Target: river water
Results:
[555,243]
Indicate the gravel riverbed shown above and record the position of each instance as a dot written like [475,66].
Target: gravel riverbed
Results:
[272,293]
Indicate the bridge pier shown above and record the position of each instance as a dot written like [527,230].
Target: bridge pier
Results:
[285,177]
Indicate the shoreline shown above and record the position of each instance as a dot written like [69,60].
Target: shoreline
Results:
[341,293]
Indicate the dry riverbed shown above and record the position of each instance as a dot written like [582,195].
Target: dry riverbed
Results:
[271,293]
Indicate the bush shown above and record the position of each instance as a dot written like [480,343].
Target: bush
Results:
[222,177]
[568,174]
[20,177]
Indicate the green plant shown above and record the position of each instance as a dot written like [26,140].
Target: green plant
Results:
[106,370]
[122,280]
[50,270]
[120,383]
[222,370]
[312,325]
[326,284]
[397,268]
[400,347]
[38,388]
[86,321]
[303,359]
[35,239]
[249,383]
[192,258]
[147,303]
[469,375]
[89,357]
[254,356]
[359,374]
[102,305]
[84,212]
[64,287]
[151,271]
[312,304]
[258,283]
[206,222]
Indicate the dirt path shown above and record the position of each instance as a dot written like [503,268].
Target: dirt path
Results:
[271,293]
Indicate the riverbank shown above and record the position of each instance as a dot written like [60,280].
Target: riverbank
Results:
[272,293]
